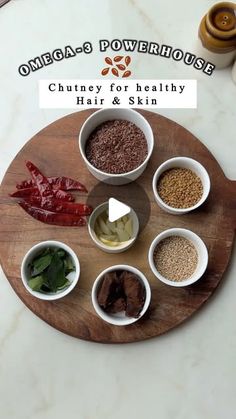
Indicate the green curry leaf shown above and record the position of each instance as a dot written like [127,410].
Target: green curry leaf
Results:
[36,283]
[41,263]
[49,269]
[55,273]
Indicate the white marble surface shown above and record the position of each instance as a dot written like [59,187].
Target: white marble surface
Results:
[186,374]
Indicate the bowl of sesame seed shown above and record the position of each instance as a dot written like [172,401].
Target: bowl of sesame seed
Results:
[180,185]
[178,257]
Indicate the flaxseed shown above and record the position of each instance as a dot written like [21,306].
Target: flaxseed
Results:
[116,147]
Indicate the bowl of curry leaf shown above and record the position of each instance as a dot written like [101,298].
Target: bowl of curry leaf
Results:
[50,270]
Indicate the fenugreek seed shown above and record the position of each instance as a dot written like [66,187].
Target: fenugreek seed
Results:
[180,188]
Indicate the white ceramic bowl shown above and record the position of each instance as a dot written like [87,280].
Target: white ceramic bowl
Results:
[201,250]
[120,319]
[187,163]
[109,249]
[107,114]
[25,274]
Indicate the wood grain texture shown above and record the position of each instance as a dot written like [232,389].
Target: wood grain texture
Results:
[55,151]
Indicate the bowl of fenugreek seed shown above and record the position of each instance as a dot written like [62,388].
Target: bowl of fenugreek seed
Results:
[180,185]
[178,257]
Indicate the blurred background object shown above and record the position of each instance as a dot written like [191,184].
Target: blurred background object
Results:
[2,2]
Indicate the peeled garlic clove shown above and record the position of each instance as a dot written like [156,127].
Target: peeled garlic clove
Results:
[122,234]
[103,226]
[108,242]
[129,227]
[111,226]
[125,219]
[110,237]
[97,229]
[120,225]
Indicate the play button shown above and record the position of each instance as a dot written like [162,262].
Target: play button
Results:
[116,209]
[132,194]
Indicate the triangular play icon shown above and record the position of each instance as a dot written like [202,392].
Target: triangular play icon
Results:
[117,209]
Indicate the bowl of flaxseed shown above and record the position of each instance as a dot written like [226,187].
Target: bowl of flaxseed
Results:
[116,145]
[178,257]
[180,185]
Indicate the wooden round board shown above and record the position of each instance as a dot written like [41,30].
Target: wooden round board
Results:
[55,151]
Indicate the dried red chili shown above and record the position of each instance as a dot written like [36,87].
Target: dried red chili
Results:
[66,184]
[63,195]
[54,218]
[58,194]
[60,206]
[23,193]
[44,187]
[46,199]
[60,182]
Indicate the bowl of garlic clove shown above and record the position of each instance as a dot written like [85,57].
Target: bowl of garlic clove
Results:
[116,236]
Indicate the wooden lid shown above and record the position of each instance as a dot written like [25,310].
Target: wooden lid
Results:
[224,20]
[217,29]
